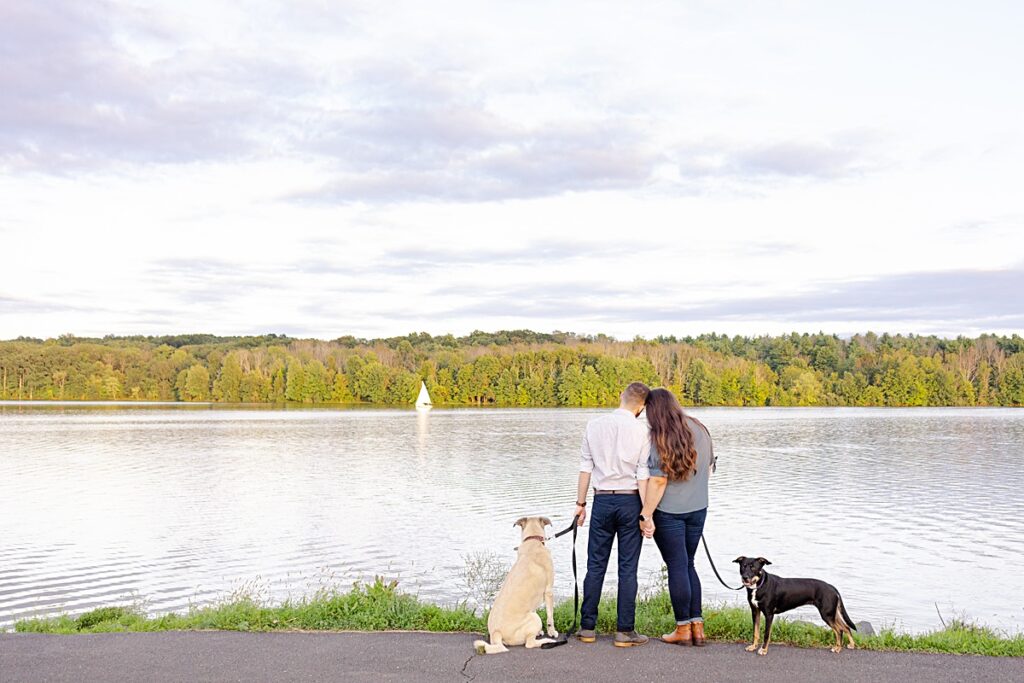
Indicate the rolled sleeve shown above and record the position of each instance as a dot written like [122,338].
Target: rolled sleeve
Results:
[586,459]
[643,462]
[642,473]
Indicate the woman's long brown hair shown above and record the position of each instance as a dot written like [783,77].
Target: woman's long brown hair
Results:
[670,432]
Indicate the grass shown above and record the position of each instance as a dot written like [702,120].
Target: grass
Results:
[381,606]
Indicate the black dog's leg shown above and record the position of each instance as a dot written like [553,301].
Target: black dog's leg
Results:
[844,618]
[828,608]
[755,615]
[768,618]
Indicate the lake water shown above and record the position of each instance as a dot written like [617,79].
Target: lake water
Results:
[169,505]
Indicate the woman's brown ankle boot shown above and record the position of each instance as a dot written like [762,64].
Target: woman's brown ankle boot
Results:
[698,633]
[681,636]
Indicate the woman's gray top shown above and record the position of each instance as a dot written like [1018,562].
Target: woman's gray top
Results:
[690,495]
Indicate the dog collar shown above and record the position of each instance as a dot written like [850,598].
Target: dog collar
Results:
[535,538]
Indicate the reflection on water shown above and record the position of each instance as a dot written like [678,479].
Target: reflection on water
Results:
[171,506]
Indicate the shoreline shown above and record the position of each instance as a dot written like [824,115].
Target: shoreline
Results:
[381,607]
[398,407]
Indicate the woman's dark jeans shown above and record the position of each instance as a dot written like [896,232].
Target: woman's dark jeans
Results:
[677,537]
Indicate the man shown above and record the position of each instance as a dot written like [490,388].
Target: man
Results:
[614,460]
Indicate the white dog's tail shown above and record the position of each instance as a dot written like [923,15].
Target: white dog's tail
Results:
[492,648]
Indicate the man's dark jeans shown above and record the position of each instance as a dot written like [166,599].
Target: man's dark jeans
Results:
[613,515]
[677,537]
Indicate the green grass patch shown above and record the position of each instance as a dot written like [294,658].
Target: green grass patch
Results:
[381,606]
[377,606]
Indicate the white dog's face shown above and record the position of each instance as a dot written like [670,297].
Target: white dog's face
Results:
[532,526]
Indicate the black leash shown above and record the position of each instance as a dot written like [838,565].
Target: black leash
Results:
[714,568]
[564,638]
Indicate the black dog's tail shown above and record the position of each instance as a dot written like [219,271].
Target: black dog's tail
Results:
[846,617]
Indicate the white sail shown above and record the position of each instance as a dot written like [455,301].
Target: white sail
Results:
[423,400]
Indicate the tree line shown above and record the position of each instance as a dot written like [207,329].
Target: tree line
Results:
[521,368]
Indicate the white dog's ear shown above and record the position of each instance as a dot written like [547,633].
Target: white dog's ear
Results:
[740,559]
[545,521]
[520,522]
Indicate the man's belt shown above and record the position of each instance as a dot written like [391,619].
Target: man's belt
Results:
[620,492]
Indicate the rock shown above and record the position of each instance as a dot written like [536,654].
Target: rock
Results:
[806,623]
[865,628]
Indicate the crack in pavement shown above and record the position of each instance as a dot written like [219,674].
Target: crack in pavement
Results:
[463,671]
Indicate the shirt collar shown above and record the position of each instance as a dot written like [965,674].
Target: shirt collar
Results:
[625,412]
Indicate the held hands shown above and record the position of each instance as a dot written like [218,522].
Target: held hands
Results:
[647,528]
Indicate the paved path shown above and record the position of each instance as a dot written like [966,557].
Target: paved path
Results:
[429,657]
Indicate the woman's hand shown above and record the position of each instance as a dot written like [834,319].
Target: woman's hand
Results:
[647,528]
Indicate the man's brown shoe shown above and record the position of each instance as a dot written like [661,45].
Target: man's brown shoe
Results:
[683,635]
[629,639]
[698,633]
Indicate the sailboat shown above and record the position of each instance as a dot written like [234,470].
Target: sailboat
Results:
[423,400]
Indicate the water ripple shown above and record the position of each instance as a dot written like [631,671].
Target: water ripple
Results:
[169,507]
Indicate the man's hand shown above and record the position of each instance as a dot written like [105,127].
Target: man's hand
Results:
[581,511]
[647,528]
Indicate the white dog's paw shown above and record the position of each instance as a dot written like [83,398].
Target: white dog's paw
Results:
[552,633]
[751,648]
[763,651]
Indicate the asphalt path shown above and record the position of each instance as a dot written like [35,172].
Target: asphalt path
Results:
[429,657]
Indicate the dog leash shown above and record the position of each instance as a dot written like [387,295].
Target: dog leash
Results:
[564,638]
[714,568]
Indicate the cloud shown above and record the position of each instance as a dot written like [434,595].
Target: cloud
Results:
[417,260]
[431,143]
[951,296]
[800,159]
[18,306]
[85,86]
[74,96]
[208,281]
[843,154]
[962,298]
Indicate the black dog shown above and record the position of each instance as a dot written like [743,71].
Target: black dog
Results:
[773,595]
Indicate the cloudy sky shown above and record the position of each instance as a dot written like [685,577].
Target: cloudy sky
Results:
[329,168]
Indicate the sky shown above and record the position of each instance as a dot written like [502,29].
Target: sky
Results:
[320,169]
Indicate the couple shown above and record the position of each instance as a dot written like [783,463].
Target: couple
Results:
[650,478]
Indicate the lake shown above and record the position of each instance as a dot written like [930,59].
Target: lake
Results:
[169,505]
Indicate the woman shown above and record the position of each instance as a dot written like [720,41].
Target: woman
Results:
[681,461]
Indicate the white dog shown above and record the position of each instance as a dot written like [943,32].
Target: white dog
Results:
[513,619]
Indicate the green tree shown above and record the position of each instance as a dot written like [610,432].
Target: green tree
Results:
[295,389]
[372,382]
[904,384]
[984,383]
[592,389]
[701,386]
[1011,382]
[194,384]
[278,386]
[570,387]
[314,386]
[340,392]
[228,385]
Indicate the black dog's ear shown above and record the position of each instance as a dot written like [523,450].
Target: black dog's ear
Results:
[740,559]
[520,522]
[763,561]
[545,521]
